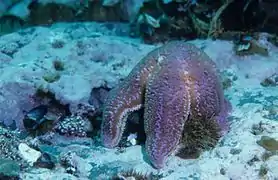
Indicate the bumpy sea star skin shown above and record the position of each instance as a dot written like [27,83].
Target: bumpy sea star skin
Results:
[166,108]
[178,80]
[126,97]
[186,82]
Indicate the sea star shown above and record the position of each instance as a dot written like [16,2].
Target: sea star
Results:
[173,82]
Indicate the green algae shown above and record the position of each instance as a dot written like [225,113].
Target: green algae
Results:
[268,143]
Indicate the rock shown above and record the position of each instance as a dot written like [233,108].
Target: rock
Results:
[270,81]
[29,154]
[15,99]
[35,117]
[45,161]
[9,169]
[89,63]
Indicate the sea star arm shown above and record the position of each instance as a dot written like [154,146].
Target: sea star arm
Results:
[167,105]
[206,92]
[125,98]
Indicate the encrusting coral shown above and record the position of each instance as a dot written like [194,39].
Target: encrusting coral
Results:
[134,175]
[73,126]
[9,142]
[175,82]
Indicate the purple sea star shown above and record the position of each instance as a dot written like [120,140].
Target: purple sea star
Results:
[173,82]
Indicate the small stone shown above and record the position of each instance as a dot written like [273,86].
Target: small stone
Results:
[253,160]
[45,162]
[132,139]
[222,171]
[235,151]
[71,170]
[28,154]
[271,81]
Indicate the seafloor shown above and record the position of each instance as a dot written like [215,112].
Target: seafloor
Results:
[99,55]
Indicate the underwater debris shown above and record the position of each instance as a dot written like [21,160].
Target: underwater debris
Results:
[128,140]
[254,159]
[263,170]
[156,22]
[258,129]
[149,20]
[271,81]
[132,139]
[215,27]
[247,45]
[201,26]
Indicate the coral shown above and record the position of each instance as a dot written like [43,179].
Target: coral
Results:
[68,160]
[174,82]
[9,141]
[75,164]
[73,126]
[10,48]
[132,174]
